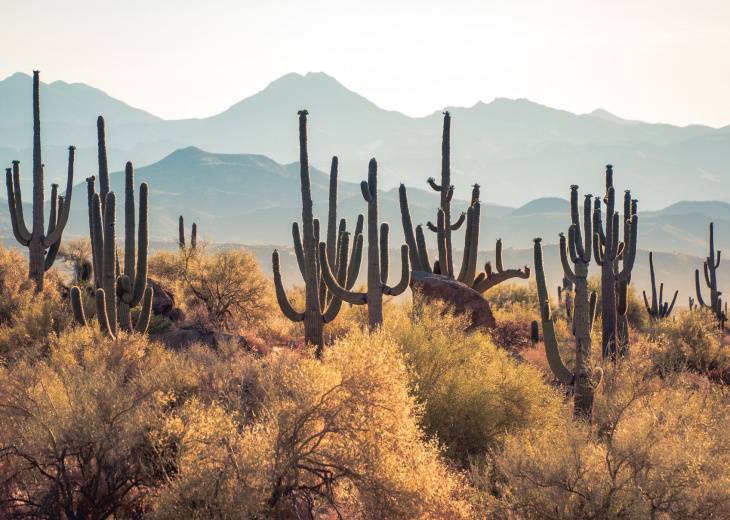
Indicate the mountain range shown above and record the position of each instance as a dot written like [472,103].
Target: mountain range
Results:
[516,149]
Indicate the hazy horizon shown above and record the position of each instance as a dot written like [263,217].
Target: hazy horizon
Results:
[655,61]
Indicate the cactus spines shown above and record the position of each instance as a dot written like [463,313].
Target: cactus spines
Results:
[377,260]
[320,306]
[712,262]
[658,309]
[38,240]
[616,260]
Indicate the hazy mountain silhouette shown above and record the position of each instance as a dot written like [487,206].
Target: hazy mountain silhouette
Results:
[516,149]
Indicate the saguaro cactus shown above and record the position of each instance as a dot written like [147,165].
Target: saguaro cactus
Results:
[710,266]
[608,251]
[193,235]
[585,309]
[444,265]
[319,307]
[378,259]
[118,294]
[39,241]
[657,309]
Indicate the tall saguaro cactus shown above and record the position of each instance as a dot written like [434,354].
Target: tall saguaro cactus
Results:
[38,241]
[378,259]
[710,266]
[320,308]
[444,265]
[658,309]
[609,250]
[117,294]
[585,310]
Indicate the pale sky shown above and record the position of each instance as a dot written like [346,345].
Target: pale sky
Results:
[651,60]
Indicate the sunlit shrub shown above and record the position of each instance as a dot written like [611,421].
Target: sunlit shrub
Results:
[472,393]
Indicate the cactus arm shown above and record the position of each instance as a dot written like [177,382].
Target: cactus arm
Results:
[629,251]
[110,251]
[405,276]
[77,306]
[55,235]
[597,223]
[97,237]
[450,194]
[101,314]
[708,282]
[473,244]
[456,225]
[498,256]
[432,182]
[661,293]
[431,227]
[671,305]
[567,270]
[422,250]
[286,307]
[467,247]
[336,303]
[365,189]
[298,249]
[22,240]
[649,309]
[53,250]
[587,224]
[332,214]
[410,237]
[103,163]
[564,375]
[572,242]
[144,316]
[384,254]
[143,242]
[53,216]
[697,288]
[654,302]
[597,254]
[342,229]
[496,278]
[355,261]
[355,298]
[22,228]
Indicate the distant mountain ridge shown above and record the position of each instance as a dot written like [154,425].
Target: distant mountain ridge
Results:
[516,149]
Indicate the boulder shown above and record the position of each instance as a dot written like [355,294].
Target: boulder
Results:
[163,301]
[460,296]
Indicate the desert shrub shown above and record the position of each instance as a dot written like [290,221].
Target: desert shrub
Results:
[14,283]
[36,319]
[690,340]
[336,436]
[472,393]
[514,335]
[664,454]
[75,426]
[76,257]
[513,301]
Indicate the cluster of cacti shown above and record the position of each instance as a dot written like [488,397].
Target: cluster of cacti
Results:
[42,246]
[580,378]
[378,259]
[710,266]
[117,294]
[444,264]
[658,308]
[564,294]
[181,235]
[320,306]
[616,259]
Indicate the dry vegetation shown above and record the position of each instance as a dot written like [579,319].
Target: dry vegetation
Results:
[420,420]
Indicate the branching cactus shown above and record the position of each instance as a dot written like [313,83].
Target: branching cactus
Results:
[580,378]
[444,264]
[710,266]
[616,259]
[118,294]
[42,245]
[320,307]
[658,309]
[378,260]
[181,235]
